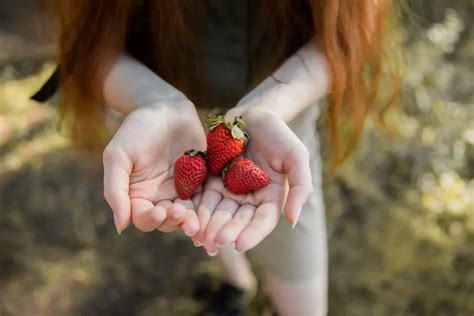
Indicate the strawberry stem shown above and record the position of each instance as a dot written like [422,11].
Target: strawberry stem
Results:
[213,121]
[237,128]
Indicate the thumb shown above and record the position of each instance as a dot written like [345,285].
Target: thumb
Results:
[117,169]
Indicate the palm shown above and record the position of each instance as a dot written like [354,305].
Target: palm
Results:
[145,147]
[153,158]
[247,219]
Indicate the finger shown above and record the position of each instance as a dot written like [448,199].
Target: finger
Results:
[264,221]
[188,204]
[300,183]
[117,169]
[146,216]
[196,200]
[209,201]
[189,222]
[175,213]
[181,215]
[232,230]
[225,210]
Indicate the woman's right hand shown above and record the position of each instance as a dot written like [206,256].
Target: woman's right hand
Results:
[138,168]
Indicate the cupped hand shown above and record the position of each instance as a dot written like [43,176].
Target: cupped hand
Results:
[138,168]
[247,219]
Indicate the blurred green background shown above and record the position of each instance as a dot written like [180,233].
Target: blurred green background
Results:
[400,211]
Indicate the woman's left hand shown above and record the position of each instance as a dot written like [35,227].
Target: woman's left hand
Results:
[247,219]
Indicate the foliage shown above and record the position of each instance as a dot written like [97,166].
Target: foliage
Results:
[402,211]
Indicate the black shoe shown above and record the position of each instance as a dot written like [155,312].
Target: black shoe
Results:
[226,301]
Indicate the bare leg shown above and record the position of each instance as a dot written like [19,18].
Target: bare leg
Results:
[298,298]
[237,269]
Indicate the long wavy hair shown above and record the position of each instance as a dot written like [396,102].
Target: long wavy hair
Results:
[160,34]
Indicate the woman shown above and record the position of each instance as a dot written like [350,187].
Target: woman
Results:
[158,61]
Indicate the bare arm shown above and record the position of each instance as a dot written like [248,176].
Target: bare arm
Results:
[130,84]
[139,159]
[300,81]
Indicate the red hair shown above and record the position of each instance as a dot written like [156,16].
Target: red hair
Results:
[352,34]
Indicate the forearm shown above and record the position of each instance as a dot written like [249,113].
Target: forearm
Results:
[129,84]
[300,81]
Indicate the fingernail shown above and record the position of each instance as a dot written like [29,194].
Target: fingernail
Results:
[295,221]
[197,244]
[189,234]
[116,224]
[212,254]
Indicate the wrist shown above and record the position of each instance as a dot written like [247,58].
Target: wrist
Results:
[178,104]
[271,97]
[130,85]
[169,106]
[253,117]
[253,111]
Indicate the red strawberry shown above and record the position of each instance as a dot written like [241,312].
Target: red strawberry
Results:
[225,142]
[243,176]
[189,172]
